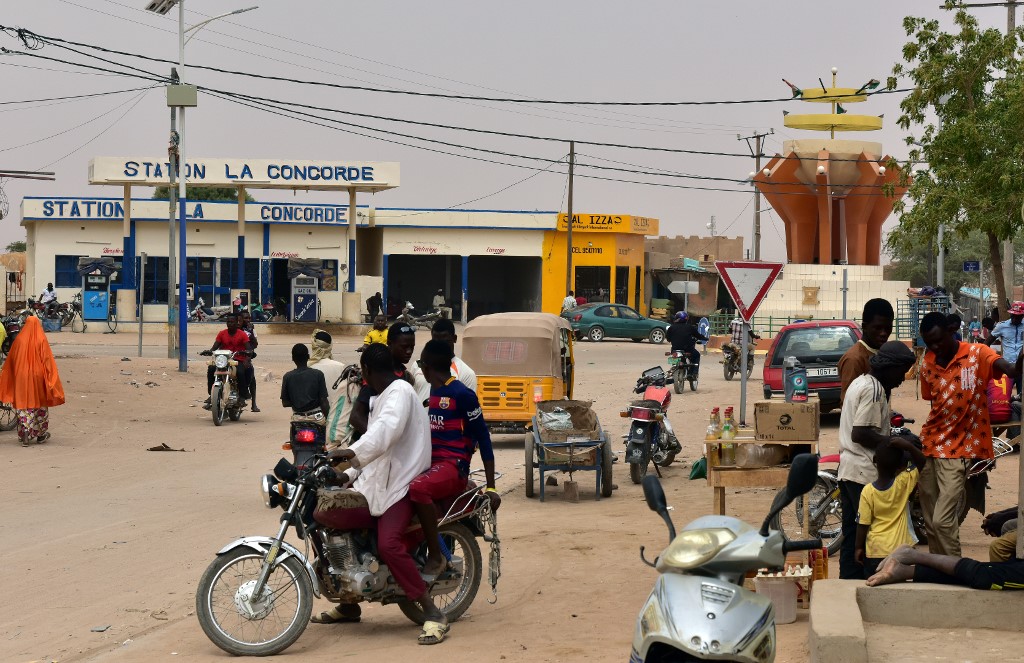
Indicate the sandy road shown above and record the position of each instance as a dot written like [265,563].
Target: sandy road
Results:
[100,532]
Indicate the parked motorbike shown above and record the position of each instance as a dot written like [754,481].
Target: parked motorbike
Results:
[256,597]
[650,436]
[732,363]
[826,511]
[699,609]
[12,324]
[224,398]
[410,317]
[684,369]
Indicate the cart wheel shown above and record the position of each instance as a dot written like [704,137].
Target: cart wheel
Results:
[529,465]
[607,485]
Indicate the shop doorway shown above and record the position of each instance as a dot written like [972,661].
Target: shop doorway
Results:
[593,283]
[503,283]
[637,275]
[622,285]
[417,279]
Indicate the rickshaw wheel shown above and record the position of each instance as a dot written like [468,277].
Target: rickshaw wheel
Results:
[529,465]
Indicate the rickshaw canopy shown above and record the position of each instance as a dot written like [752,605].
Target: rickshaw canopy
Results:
[516,344]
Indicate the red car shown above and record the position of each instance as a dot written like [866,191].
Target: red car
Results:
[818,346]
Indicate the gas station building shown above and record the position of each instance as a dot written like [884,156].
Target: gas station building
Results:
[485,261]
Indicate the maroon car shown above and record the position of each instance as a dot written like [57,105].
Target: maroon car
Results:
[818,346]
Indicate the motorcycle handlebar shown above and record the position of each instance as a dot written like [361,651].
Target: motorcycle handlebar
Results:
[794,546]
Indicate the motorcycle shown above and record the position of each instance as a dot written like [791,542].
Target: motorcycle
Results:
[699,609]
[12,324]
[256,597]
[731,361]
[307,439]
[684,369]
[410,318]
[650,436]
[224,397]
[826,511]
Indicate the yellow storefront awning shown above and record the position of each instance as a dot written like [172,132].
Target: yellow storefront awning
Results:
[611,223]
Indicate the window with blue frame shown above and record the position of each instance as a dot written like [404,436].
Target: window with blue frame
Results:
[154,290]
[229,275]
[65,272]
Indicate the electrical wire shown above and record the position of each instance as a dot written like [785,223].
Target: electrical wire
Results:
[138,99]
[25,35]
[74,96]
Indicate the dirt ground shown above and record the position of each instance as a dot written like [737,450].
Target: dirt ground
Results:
[104,541]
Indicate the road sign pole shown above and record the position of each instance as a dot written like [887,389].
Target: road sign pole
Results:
[743,373]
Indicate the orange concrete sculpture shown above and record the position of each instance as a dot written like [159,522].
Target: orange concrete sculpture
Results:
[831,194]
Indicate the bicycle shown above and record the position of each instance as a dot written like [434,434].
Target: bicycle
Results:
[74,313]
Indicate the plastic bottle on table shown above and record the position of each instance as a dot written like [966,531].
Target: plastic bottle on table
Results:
[712,435]
[728,449]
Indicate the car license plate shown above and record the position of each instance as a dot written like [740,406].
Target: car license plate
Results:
[823,372]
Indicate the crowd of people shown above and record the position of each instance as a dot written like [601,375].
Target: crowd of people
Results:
[878,472]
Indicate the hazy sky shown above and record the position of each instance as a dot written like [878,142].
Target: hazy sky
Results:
[565,49]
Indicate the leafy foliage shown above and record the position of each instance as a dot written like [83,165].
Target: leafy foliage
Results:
[226,193]
[18,246]
[972,82]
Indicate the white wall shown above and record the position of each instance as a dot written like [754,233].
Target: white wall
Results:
[863,281]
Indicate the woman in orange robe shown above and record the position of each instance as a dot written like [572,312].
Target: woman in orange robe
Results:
[30,383]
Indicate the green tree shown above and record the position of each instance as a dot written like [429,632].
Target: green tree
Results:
[914,262]
[971,81]
[223,193]
[17,247]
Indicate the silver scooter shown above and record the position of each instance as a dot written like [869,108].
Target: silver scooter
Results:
[699,609]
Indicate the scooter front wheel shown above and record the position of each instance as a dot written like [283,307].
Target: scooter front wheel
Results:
[261,626]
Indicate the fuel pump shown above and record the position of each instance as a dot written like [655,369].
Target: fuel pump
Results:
[305,291]
[95,296]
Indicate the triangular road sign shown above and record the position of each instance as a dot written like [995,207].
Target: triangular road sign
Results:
[748,282]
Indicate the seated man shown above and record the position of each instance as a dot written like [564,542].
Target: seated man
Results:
[304,389]
[1003,526]
[905,563]
[393,451]
[379,333]
[456,428]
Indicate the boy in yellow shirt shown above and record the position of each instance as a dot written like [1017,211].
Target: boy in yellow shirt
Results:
[379,333]
[883,523]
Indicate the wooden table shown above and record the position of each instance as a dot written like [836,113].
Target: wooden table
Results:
[721,477]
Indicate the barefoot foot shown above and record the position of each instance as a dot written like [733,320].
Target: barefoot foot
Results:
[890,571]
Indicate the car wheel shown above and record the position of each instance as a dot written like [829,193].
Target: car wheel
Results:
[657,335]
[596,334]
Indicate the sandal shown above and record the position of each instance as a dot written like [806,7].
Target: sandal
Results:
[431,578]
[254,408]
[43,438]
[433,633]
[333,616]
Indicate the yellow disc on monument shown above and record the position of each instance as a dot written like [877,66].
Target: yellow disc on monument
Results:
[833,122]
[842,95]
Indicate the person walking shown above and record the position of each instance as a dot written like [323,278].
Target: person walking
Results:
[569,302]
[30,382]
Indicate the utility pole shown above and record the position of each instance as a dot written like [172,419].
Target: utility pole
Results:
[755,152]
[568,222]
[172,199]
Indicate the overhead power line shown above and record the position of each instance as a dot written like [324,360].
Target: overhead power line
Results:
[29,37]
[74,96]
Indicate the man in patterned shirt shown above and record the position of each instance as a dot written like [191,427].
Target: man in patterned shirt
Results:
[954,378]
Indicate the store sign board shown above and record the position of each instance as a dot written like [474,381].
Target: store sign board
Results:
[251,173]
[109,209]
[614,223]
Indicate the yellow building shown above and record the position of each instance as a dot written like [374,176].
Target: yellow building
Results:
[607,259]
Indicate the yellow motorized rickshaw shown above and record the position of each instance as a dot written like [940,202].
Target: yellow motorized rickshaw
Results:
[520,359]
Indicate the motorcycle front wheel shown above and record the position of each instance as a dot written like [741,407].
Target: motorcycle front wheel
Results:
[217,404]
[280,614]
[462,544]
[728,370]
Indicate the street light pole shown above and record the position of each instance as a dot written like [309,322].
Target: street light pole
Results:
[182,234]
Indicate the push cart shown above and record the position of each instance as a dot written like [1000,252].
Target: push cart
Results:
[583,447]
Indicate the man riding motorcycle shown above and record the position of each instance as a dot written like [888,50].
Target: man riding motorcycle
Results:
[234,339]
[684,336]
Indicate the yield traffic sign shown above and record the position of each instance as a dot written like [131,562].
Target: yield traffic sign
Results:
[748,282]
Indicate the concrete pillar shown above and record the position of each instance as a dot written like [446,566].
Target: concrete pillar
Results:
[465,289]
[127,294]
[351,306]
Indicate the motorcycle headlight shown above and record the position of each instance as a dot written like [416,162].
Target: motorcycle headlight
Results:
[695,547]
[265,483]
[220,361]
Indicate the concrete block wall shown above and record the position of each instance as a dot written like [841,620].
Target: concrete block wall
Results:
[864,282]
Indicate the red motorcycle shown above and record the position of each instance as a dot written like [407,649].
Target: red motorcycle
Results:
[650,437]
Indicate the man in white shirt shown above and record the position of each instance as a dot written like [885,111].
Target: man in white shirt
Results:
[863,425]
[393,451]
[569,302]
[438,301]
[49,298]
[443,330]
[322,359]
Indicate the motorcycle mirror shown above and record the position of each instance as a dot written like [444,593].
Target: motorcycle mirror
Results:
[654,494]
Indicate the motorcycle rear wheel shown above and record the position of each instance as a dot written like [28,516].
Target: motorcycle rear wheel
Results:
[288,587]
[217,405]
[677,381]
[461,542]
[829,525]
[235,414]
[637,471]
